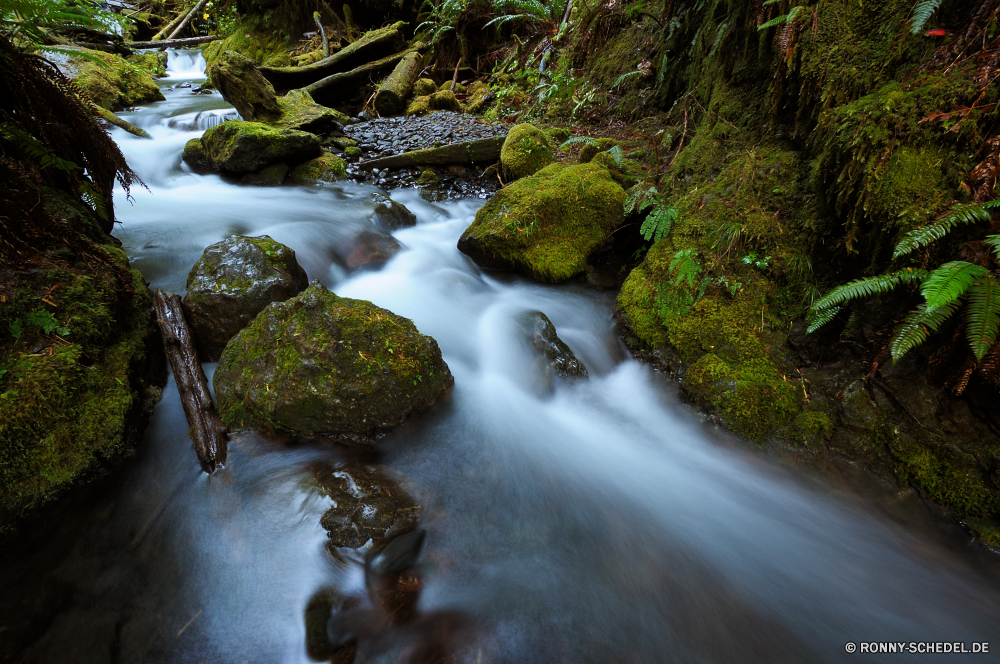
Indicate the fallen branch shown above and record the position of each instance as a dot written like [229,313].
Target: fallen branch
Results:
[206,429]
[169,26]
[183,24]
[481,151]
[110,117]
[454,77]
[340,86]
[173,43]
[322,32]
[392,94]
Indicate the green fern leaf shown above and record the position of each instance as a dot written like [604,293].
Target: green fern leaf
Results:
[578,139]
[922,13]
[659,223]
[820,317]
[858,288]
[972,213]
[949,282]
[994,241]
[617,155]
[685,266]
[917,326]
[786,18]
[983,315]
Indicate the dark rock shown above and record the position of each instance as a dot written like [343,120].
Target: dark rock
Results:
[195,157]
[370,251]
[399,554]
[367,506]
[390,215]
[319,364]
[232,282]
[554,352]
[271,176]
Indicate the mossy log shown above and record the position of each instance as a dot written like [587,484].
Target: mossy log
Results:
[395,89]
[369,46]
[173,43]
[338,87]
[206,429]
[111,118]
[481,151]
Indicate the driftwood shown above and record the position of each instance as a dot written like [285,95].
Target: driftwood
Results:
[395,89]
[322,32]
[111,118]
[481,151]
[367,47]
[195,10]
[206,429]
[338,87]
[173,43]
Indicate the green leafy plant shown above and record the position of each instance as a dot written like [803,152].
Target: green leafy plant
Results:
[662,216]
[28,22]
[944,288]
[39,318]
[784,18]
[922,13]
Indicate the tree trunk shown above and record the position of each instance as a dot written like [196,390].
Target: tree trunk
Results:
[338,87]
[206,429]
[371,45]
[479,152]
[395,89]
[169,27]
[195,10]
[173,43]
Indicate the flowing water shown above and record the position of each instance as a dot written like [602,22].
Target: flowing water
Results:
[601,522]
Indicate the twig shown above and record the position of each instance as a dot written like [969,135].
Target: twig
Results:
[322,31]
[454,77]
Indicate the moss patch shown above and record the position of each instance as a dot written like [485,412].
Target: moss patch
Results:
[117,84]
[326,168]
[525,151]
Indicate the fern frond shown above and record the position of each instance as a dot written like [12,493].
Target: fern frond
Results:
[785,18]
[922,13]
[971,213]
[994,241]
[949,282]
[659,223]
[624,77]
[983,315]
[639,199]
[858,288]
[685,266]
[917,326]
[578,139]
[820,317]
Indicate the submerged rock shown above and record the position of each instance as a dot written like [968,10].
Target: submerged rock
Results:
[546,225]
[553,351]
[320,364]
[232,282]
[367,506]
[247,147]
[370,250]
[525,151]
[390,215]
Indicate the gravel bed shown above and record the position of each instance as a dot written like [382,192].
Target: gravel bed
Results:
[384,137]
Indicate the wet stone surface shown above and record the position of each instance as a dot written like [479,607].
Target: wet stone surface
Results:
[367,505]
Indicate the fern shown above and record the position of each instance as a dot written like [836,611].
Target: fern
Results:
[983,315]
[994,241]
[949,282]
[922,13]
[819,318]
[785,18]
[624,77]
[659,223]
[639,199]
[859,288]
[685,266]
[617,155]
[917,326]
[971,213]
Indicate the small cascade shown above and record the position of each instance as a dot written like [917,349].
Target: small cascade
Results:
[203,119]
[185,65]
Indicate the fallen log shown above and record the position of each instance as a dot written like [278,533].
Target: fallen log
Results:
[206,429]
[479,152]
[173,43]
[395,89]
[368,46]
[338,87]
[111,118]
[194,10]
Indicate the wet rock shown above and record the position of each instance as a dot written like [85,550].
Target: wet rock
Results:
[271,176]
[325,168]
[242,85]
[554,352]
[247,147]
[525,151]
[323,365]
[390,215]
[321,605]
[399,554]
[367,507]
[546,225]
[370,251]
[195,157]
[232,282]
[299,111]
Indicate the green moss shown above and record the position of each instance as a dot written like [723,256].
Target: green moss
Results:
[590,150]
[525,151]
[810,427]
[458,90]
[253,40]
[476,101]
[443,100]
[419,105]
[247,147]
[117,84]
[327,168]
[352,152]
[547,224]
[154,64]
[428,178]
[944,475]
[424,87]
[988,532]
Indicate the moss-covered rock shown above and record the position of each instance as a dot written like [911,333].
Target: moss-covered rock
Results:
[592,149]
[525,151]
[420,105]
[478,95]
[195,157]
[390,215]
[325,168]
[459,89]
[236,77]
[115,84]
[558,135]
[322,364]
[299,111]
[352,152]
[271,176]
[443,100]
[249,37]
[232,282]
[248,147]
[547,224]
[424,87]
[367,506]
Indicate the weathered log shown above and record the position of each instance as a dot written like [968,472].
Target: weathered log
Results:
[338,87]
[206,429]
[110,117]
[322,32]
[480,152]
[366,48]
[173,43]
[194,10]
[395,89]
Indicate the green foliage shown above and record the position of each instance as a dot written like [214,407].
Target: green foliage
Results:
[917,326]
[972,213]
[922,13]
[662,215]
[39,318]
[949,282]
[26,22]
[983,317]
[784,18]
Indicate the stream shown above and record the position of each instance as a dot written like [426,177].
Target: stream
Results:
[599,522]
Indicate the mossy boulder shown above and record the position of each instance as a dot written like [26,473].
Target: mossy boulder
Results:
[325,168]
[420,105]
[424,87]
[367,506]
[236,77]
[270,176]
[593,148]
[352,152]
[525,151]
[299,111]
[547,224]
[478,95]
[558,135]
[232,282]
[390,215]
[248,147]
[459,89]
[116,84]
[195,157]
[444,100]
[320,364]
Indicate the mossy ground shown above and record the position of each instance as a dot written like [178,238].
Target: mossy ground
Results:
[250,37]
[118,83]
